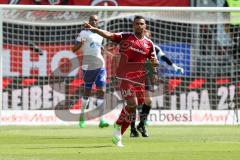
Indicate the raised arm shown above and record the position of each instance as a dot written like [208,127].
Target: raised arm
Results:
[163,57]
[103,33]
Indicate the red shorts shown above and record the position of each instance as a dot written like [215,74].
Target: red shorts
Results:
[130,90]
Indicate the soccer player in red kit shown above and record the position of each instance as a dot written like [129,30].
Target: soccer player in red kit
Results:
[135,49]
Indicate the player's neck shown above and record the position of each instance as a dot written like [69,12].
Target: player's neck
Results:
[139,35]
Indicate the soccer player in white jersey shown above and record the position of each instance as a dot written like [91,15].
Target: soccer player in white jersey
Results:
[93,66]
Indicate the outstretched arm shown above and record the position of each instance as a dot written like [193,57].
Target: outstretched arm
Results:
[169,62]
[164,58]
[103,33]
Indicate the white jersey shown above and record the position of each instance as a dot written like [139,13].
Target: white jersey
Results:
[91,49]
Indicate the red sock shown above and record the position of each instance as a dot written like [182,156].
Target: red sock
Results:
[124,126]
[124,120]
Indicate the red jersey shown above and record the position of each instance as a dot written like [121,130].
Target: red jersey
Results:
[134,53]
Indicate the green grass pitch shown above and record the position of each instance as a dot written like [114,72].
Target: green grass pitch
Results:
[164,143]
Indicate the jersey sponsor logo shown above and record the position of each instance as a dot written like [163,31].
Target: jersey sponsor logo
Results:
[94,45]
[137,50]
[124,45]
[132,41]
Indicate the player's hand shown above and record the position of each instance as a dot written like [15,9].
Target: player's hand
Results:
[154,62]
[178,69]
[88,26]
[154,79]
[82,41]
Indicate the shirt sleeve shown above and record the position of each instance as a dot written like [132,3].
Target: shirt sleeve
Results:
[152,54]
[117,37]
[159,51]
[81,36]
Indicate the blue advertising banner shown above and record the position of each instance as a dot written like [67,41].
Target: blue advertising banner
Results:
[178,53]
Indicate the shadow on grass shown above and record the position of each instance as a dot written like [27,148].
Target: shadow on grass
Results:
[55,138]
[80,147]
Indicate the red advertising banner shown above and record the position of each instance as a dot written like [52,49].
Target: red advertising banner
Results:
[15,1]
[134,2]
[29,80]
[22,61]
[101,2]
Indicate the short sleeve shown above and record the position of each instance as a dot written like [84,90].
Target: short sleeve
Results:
[159,51]
[117,37]
[152,54]
[81,36]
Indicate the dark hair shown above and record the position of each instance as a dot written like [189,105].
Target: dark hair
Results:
[138,17]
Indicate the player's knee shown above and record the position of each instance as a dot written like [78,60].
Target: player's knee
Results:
[100,93]
[132,103]
[132,109]
[87,92]
[148,101]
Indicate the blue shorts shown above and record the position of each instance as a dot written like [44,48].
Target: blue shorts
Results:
[97,76]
